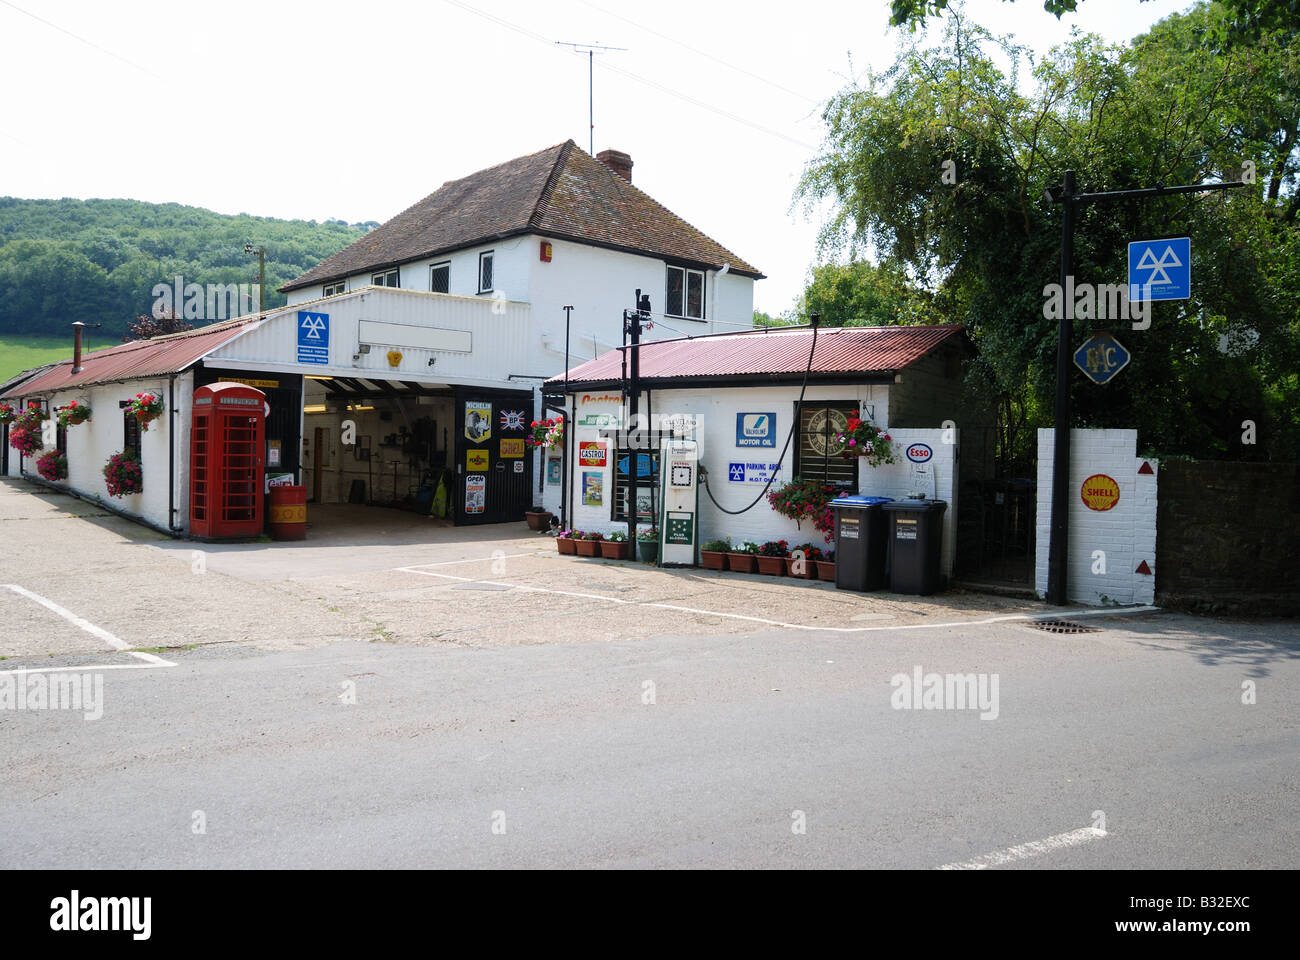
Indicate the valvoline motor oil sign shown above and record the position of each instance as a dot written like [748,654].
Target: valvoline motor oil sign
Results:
[756,430]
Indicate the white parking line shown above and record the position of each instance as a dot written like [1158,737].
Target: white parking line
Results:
[115,642]
[1049,614]
[1035,848]
[452,563]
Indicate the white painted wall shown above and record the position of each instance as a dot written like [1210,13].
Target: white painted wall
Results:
[1125,534]
[598,283]
[715,410]
[91,444]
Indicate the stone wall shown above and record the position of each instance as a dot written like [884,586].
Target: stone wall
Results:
[1229,537]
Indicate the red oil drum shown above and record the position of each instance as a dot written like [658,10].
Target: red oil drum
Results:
[287,516]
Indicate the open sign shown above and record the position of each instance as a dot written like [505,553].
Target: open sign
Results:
[919,452]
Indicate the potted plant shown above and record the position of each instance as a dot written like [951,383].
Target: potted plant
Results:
[771,557]
[742,559]
[547,433]
[588,544]
[566,541]
[25,440]
[802,500]
[802,561]
[123,475]
[7,413]
[538,519]
[146,408]
[713,554]
[647,544]
[864,440]
[53,466]
[615,546]
[826,566]
[71,414]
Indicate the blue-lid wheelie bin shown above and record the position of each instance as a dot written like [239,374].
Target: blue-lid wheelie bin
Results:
[915,543]
[861,540]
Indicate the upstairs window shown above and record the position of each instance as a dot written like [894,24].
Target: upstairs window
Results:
[685,296]
[334,289]
[440,277]
[386,279]
[485,272]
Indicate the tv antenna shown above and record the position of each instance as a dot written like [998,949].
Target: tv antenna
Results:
[591,49]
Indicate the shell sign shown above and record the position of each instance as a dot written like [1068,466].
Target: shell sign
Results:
[1100,492]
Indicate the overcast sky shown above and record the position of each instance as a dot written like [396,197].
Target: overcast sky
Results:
[358,110]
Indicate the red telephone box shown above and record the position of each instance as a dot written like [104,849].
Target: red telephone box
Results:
[227,443]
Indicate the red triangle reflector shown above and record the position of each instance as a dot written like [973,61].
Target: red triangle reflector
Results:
[1145,468]
[1143,568]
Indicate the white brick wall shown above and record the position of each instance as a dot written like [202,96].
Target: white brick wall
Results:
[716,410]
[1126,534]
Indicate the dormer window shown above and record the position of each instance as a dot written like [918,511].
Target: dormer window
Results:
[685,296]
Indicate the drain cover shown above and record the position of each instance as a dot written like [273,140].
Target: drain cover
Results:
[1062,626]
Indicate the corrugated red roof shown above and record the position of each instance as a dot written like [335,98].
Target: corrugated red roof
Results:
[160,356]
[772,352]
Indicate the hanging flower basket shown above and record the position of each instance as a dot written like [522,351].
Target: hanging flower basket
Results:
[25,440]
[146,408]
[53,466]
[864,440]
[31,418]
[123,475]
[7,413]
[72,414]
[546,433]
[802,500]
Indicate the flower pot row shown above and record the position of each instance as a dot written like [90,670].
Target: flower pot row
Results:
[773,559]
[593,545]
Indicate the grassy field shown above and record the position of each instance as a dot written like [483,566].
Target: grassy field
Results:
[22,353]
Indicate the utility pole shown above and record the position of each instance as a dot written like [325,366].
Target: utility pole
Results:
[568,430]
[249,250]
[1058,546]
[632,321]
[591,49]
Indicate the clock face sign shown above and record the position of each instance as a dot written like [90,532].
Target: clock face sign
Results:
[824,426]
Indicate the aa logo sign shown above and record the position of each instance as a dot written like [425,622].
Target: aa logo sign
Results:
[1100,492]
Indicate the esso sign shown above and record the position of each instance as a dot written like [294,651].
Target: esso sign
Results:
[919,452]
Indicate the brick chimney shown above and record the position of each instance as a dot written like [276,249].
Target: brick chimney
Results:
[618,161]
[76,346]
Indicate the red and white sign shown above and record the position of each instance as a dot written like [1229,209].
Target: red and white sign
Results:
[592,454]
[1099,492]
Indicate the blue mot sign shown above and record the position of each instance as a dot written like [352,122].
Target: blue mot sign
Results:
[313,337]
[756,429]
[1160,269]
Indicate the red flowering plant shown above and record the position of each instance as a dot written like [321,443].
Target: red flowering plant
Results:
[25,440]
[71,414]
[53,466]
[802,500]
[31,418]
[7,413]
[774,548]
[145,407]
[866,441]
[122,474]
[546,433]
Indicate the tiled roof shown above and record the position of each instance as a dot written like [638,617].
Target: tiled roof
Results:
[562,192]
[160,356]
[772,352]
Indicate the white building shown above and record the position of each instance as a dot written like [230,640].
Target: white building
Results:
[428,340]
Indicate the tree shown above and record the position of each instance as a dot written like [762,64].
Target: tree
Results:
[939,165]
[860,294]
